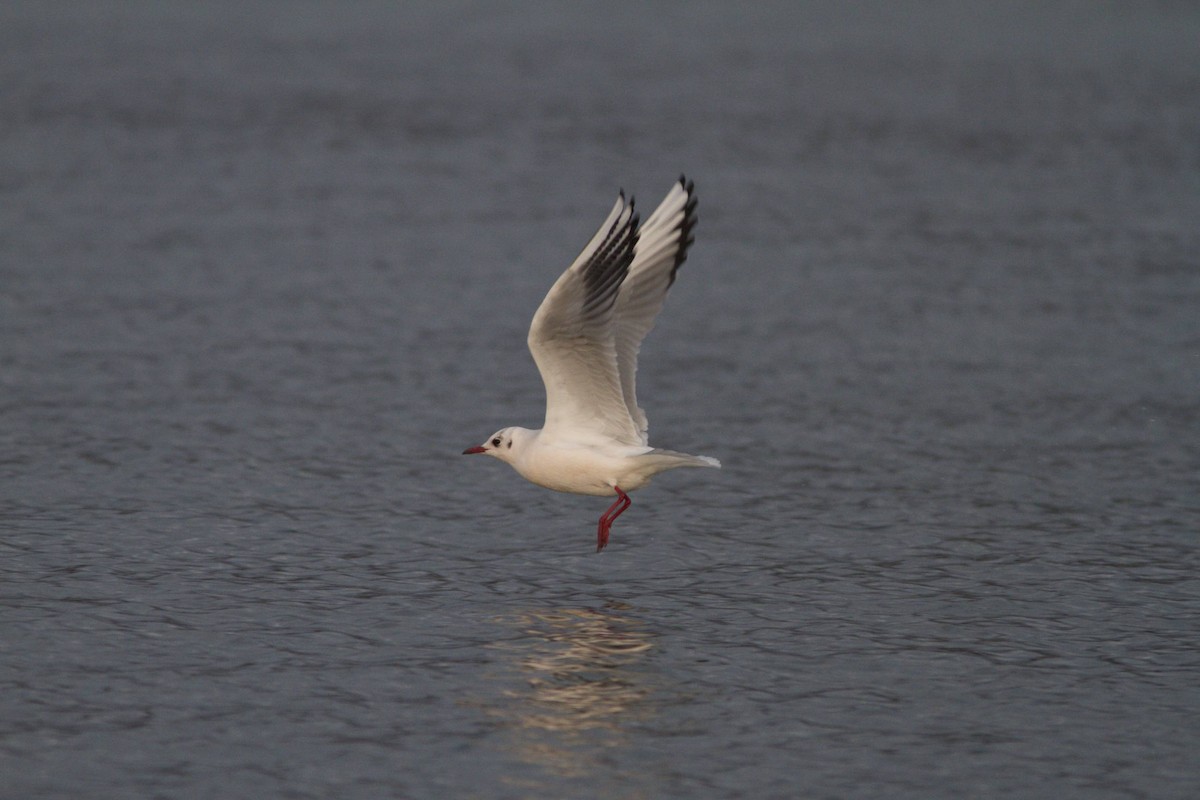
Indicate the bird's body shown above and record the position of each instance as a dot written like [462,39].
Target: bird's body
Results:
[582,468]
[585,339]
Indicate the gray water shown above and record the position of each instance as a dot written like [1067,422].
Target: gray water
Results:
[266,269]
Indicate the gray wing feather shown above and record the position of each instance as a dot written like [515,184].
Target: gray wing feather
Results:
[573,340]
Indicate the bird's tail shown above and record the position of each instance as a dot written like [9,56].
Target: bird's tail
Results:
[675,459]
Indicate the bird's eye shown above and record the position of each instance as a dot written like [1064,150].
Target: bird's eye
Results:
[496,442]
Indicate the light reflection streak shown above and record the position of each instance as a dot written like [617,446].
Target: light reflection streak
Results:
[585,683]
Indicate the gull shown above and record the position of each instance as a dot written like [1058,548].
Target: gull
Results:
[585,339]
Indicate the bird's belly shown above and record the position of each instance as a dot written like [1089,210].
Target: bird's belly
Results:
[579,471]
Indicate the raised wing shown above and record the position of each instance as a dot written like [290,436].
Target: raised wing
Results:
[662,246]
[573,338]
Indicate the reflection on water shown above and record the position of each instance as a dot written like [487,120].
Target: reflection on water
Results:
[585,681]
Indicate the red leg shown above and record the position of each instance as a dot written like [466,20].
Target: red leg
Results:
[606,519]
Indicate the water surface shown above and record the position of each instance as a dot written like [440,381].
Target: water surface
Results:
[266,269]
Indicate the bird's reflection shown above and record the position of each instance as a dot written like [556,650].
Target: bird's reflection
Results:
[584,681]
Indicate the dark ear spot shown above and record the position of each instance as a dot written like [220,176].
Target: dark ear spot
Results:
[510,444]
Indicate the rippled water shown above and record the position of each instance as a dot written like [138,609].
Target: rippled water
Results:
[266,269]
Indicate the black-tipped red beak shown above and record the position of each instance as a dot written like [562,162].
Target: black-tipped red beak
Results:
[472,450]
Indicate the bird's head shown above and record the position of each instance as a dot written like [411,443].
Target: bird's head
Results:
[503,444]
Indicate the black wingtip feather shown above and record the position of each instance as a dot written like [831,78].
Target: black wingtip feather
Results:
[606,269]
[686,237]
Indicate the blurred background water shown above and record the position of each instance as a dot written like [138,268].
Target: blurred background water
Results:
[267,268]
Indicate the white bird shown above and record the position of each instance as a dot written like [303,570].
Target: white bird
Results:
[585,339]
